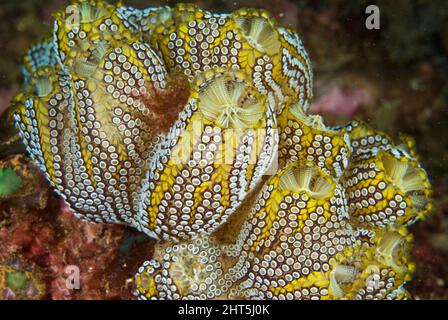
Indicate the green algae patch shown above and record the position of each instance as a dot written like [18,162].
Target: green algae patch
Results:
[9,182]
[17,280]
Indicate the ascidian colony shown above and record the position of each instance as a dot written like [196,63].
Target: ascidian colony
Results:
[193,127]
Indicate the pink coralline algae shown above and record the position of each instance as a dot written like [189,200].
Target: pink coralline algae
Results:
[340,101]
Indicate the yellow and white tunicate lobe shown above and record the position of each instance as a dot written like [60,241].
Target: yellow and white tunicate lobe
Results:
[193,127]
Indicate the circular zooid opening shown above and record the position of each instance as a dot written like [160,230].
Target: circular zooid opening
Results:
[42,86]
[230,103]
[406,177]
[89,12]
[391,248]
[259,33]
[307,179]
